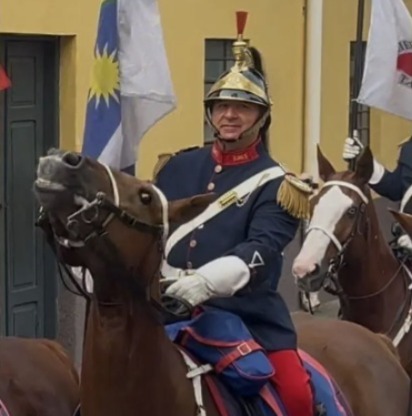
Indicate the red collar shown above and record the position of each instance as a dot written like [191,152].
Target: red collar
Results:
[238,157]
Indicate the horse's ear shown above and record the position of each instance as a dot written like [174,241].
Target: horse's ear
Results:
[364,165]
[326,170]
[404,220]
[183,210]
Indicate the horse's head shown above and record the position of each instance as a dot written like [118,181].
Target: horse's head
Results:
[337,215]
[100,218]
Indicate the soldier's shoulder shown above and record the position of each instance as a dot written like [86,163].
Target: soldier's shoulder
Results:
[405,141]
[165,158]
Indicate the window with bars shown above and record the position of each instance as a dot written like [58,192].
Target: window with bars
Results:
[363,113]
[218,58]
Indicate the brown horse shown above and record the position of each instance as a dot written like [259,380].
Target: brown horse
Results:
[345,245]
[37,378]
[115,225]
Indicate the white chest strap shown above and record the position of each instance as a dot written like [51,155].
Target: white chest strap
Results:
[406,198]
[238,195]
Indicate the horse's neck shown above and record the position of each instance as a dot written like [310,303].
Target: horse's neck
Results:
[129,362]
[369,266]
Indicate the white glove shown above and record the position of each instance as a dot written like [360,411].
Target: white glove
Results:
[352,147]
[222,277]
[405,242]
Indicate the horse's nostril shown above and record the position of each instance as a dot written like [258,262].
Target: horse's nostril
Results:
[72,159]
[316,270]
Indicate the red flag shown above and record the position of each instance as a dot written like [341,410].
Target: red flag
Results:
[4,79]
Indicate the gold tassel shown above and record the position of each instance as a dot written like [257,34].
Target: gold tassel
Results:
[163,158]
[293,196]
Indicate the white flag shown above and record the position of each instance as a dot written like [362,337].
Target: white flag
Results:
[131,87]
[387,77]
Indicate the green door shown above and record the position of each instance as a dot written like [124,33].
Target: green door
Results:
[29,107]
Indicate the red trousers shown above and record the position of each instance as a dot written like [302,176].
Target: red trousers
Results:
[292,382]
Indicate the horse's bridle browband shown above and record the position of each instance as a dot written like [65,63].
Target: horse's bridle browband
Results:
[340,247]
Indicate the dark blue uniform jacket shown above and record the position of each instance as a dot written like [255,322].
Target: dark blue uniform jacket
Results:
[256,231]
[393,185]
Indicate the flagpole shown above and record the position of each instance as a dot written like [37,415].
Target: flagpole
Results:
[357,79]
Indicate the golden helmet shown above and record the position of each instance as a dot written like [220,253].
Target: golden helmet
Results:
[245,80]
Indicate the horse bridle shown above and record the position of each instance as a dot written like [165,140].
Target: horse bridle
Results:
[336,262]
[90,213]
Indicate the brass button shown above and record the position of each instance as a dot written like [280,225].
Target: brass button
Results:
[211,186]
[218,168]
[193,243]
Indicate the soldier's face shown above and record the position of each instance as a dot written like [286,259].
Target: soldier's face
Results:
[232,118]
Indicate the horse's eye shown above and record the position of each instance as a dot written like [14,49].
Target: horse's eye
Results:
[352,211]
[145,197]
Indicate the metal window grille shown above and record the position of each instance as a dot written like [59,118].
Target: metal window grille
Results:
[218,58]
[363,116]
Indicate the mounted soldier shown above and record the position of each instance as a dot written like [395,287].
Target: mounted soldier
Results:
[395,185]
[230,257]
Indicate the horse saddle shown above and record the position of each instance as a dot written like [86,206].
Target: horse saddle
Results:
[238,370]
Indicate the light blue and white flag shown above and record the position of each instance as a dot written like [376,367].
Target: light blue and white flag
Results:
[131,86]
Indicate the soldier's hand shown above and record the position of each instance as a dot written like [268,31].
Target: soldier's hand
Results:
[405,242]
[352,147]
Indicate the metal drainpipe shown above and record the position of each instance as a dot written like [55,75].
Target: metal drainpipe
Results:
[312,82]
[312,85]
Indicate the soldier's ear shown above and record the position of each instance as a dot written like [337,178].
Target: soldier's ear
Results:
[326,170]
[364,165]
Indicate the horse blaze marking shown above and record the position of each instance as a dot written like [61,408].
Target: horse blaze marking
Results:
[404,63]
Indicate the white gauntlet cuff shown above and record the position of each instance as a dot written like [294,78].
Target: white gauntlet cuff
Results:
[378,172]
[225,275]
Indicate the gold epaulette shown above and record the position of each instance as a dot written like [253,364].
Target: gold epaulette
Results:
[163,158]
[406,140]
[293,196]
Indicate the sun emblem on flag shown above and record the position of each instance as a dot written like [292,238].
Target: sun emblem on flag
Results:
[105,76]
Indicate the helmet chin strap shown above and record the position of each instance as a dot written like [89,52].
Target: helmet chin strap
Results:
[255,128]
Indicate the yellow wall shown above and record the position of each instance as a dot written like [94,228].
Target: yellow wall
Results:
[276,27]
[76,22]
[339,28]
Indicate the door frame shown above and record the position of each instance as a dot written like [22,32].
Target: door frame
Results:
[51,111]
